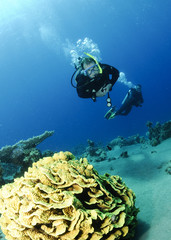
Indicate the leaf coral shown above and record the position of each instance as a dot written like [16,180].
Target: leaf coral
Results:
[65,199]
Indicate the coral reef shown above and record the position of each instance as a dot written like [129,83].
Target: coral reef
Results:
[23,153]
[97,153]
[65,199]
[159,132]
[1,175]
[17,152]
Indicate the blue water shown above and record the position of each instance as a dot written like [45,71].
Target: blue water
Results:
[35,90]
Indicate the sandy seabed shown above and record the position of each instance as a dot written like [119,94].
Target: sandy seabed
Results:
[144,172]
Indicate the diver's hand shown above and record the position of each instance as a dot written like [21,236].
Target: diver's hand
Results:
[102,91]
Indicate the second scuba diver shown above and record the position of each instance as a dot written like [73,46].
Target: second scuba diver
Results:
[133,98]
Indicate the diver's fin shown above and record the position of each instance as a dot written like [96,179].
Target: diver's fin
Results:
[110,113]
[113,115]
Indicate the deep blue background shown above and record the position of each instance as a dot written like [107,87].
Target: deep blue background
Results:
[35,90]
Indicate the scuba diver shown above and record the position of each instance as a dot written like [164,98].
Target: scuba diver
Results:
[94,79]
[133,98]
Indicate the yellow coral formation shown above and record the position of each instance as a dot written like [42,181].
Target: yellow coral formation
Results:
[65,199]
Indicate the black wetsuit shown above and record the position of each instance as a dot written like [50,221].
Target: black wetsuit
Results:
[87,88]
[133,98]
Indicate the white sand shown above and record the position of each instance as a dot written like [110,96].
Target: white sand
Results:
[151,184]
[144,172]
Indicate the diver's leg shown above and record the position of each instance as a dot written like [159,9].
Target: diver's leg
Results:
[126,111]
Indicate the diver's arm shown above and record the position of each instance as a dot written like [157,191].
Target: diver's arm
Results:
[85,86]
[112,72]
[83,91]
[83,94]
[81,87]
[102,91]
[109,76]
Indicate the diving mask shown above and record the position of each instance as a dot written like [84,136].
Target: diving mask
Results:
[92,69]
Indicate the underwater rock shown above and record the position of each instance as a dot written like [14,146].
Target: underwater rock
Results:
[90,143]
[63,198]
[168,168]
[94,152]
[121,141]
[124,154]
[111,159]
[159,132]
